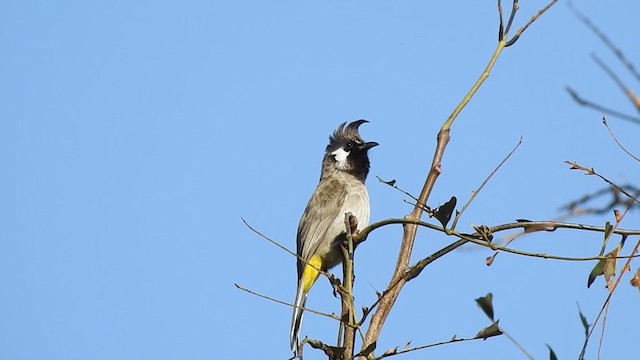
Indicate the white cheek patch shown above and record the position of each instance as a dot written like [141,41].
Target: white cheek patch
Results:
[341,157]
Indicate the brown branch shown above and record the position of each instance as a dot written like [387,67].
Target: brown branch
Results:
[410,230]
[409,235]
[346,294]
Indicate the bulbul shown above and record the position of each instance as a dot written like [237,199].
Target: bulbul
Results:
[321,229]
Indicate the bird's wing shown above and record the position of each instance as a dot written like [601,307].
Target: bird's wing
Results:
[323,208]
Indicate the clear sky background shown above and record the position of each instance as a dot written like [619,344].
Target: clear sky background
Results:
[136,134]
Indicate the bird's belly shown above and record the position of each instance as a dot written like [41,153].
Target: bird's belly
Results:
[356,203]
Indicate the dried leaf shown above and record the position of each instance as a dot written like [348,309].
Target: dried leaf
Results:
[486,304]
[535,227]
[489,331]
[610,264]
[484,231]
[635,281]
[552,355]
[576,166]
[617,215]
[407,347]
[443,212]
[489,260]
[390,351]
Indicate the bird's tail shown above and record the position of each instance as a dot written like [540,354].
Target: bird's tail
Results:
[296,319]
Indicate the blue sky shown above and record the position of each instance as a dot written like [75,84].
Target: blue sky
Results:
[135,135]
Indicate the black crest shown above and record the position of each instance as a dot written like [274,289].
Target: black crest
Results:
[346,133]
[347,137]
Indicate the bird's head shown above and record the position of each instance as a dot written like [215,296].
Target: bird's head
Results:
[347,152]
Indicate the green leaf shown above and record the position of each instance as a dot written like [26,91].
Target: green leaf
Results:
[584,321]
[595,272]
[607,230]
[486,304]
[606,266]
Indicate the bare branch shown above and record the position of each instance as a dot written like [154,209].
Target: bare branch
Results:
[392,183]
[604,121]
[330,316]
[395,352]
[581,101]
[329,276]
[624,88]
[348,307]
[486,180]
[616,200]
[591,171]
[603,37]
[533,18]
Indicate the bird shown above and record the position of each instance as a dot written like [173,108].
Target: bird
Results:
[321,229]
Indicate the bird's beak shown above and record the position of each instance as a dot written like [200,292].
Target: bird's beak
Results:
[368,145]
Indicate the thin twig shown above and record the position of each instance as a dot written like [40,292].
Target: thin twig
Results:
[516,343]
[330,316]
[528,226]
[610,73]
[603,37]
[329,276]
[501,34]
[591,171]
[604,121]
[404,351]
[616,200]
[514,9]
[624,88]
[533,18]
[581,101]
[486,180]
[392,183]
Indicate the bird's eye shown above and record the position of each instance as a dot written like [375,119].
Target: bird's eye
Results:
[349,146]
